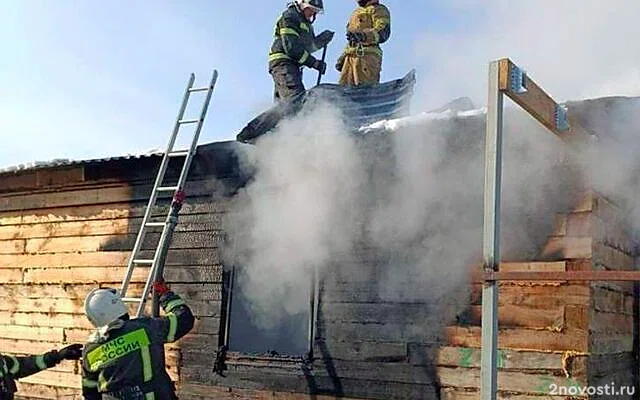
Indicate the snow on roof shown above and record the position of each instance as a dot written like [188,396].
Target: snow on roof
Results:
[395,124]
[58,162]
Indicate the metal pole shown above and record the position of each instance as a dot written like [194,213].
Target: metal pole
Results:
[491,236]
[324,55]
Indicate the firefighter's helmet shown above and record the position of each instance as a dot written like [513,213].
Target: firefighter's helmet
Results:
[316,5]
[103,306]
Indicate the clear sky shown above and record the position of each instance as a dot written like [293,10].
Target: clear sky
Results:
[83,79]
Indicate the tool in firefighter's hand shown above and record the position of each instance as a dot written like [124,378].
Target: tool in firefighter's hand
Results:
[324,54]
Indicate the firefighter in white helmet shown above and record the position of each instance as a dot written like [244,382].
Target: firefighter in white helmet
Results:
[293,44]
[124,359]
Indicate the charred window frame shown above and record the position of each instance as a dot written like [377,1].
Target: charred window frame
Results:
[229,280]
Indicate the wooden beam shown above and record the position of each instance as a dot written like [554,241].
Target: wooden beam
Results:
[538,103]
[563,276]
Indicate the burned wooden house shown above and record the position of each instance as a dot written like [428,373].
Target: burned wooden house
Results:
[374,324]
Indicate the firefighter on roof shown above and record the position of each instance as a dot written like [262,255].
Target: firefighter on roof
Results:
[293,44]
[361,61]
[125,358]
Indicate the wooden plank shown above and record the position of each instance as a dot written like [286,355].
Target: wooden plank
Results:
[180,240]
[95,275]
[37,319]
[508,381]
[317,382]
[115,193]
[537,103]
[13,246]
[348,331]
[565,276]
[522,316]
[26,346]
[60,176]
[609,343]
[533,266]
[522,339]
[31,333]
[227,393]
[468,357]
[52,306]
[121,210]
[54,291]
[611,301]
[566,247]
[101,227]
[466,394]
[104,259]
[54,378]
[603,322]
[605,365]
[11,275]
[360,350]
[546,297]
[377,312]
[48,392]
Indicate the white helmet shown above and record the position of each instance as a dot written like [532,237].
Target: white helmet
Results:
[317,5]
[103,306]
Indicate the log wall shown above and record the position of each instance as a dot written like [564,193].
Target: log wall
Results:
[64,235]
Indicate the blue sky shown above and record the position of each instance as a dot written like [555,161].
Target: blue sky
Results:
[84,79]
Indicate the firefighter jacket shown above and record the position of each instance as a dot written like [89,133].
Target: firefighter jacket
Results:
[374,21]
[294,40]
[126,359]
[12,368]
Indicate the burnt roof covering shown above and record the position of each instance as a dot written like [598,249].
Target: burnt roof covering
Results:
[359,105]
[204,151]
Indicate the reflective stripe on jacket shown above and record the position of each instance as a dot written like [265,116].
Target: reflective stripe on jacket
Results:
[294,39]
[15,367]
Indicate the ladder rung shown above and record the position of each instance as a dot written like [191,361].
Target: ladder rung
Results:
[200,89]
[188,121]
[154,224]
[179,153]
[167,188]
[132,299]
[143,261]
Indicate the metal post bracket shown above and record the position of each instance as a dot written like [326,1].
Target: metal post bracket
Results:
[562,122]
[517,80]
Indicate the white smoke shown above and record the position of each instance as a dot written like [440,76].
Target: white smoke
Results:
[412,197]
[297,214]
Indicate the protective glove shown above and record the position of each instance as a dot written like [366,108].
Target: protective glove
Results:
[356,37]
[161,287]
[71,352]
[320,66]
[340,63]
[324,38]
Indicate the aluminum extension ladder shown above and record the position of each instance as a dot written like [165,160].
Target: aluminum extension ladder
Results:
[157,262]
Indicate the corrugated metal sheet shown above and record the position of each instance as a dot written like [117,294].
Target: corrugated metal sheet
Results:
[35,165]
[360,105]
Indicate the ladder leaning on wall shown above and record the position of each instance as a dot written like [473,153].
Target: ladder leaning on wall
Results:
[156,264]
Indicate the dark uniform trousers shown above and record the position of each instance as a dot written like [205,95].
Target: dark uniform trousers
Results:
[287,77]
[126,361]
[12,368]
